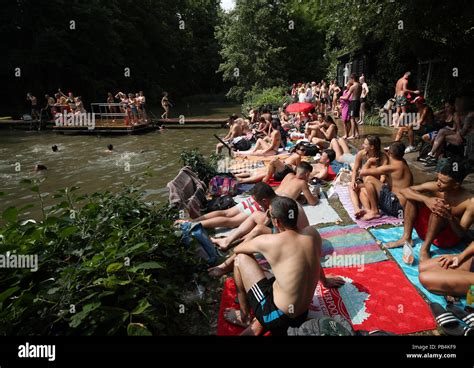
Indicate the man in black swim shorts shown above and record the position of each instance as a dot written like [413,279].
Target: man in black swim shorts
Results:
[294,256]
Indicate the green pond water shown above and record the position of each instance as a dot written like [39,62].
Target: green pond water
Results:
[82,162]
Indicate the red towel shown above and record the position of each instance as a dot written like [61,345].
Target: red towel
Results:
[379,297]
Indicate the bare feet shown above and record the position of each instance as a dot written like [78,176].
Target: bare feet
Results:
[333,282]
[371,215]
[350,137]
[218,271]
[234,317]
[424,255]
[222,243]
[358,214]
[397,244]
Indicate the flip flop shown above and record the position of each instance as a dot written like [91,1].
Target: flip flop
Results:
[446,321]
[464,316]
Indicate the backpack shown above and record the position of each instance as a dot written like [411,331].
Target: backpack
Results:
[323,326]
[311,149]
[206,249]
[424,150]
[241,144]
[220,203]
[222,186]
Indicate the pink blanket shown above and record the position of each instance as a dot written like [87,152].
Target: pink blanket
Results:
[345,198]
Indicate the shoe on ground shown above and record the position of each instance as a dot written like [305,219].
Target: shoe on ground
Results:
[410,149]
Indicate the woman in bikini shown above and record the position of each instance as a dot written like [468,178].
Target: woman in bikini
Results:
[370,148]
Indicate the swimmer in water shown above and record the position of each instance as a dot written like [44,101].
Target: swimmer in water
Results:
[110,148]
[55,148]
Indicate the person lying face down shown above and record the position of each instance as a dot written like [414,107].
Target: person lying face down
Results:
[294,256]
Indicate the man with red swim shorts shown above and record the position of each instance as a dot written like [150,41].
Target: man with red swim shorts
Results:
[443,218]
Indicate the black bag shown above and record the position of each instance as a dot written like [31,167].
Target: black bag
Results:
[311,149]
[242,145]
[220,203]
[424,150]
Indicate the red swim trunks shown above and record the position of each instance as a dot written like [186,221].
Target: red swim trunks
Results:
[445,239]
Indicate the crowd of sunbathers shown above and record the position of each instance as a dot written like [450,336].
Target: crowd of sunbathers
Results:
[273,223]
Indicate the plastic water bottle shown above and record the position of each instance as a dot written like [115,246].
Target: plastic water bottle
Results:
[408,257]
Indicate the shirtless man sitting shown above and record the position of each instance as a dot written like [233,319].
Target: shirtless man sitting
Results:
[387,195]
[276,168]
[444,217]
[295,184]
[235,130]
[294,256]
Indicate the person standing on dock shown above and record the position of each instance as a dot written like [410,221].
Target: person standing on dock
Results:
[165,103]
[34,106]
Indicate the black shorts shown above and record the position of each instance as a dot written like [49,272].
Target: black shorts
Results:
[354,108]
[260,298]
[389,203]
[279,176]
[323,100]
[363,100]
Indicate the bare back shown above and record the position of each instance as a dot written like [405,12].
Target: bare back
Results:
[291,186]
[295,260]
[401,86]
[401,177]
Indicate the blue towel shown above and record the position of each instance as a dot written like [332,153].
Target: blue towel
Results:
[411,272]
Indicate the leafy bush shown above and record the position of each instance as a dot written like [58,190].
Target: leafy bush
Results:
[205,169]
[257,98]
[108,264]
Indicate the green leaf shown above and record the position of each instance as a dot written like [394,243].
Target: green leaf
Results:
[147,266]
[114,267]
[26,181]
[142,306]
[7,293]
[77,319]
[35,188]
[137,329]
[64,233]
[10,214]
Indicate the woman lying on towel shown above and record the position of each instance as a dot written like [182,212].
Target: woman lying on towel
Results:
[276,168]
[450,274]
[267,146]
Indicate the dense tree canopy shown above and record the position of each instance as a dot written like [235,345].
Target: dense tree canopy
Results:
[396,36]
[193,47]
[85,46]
